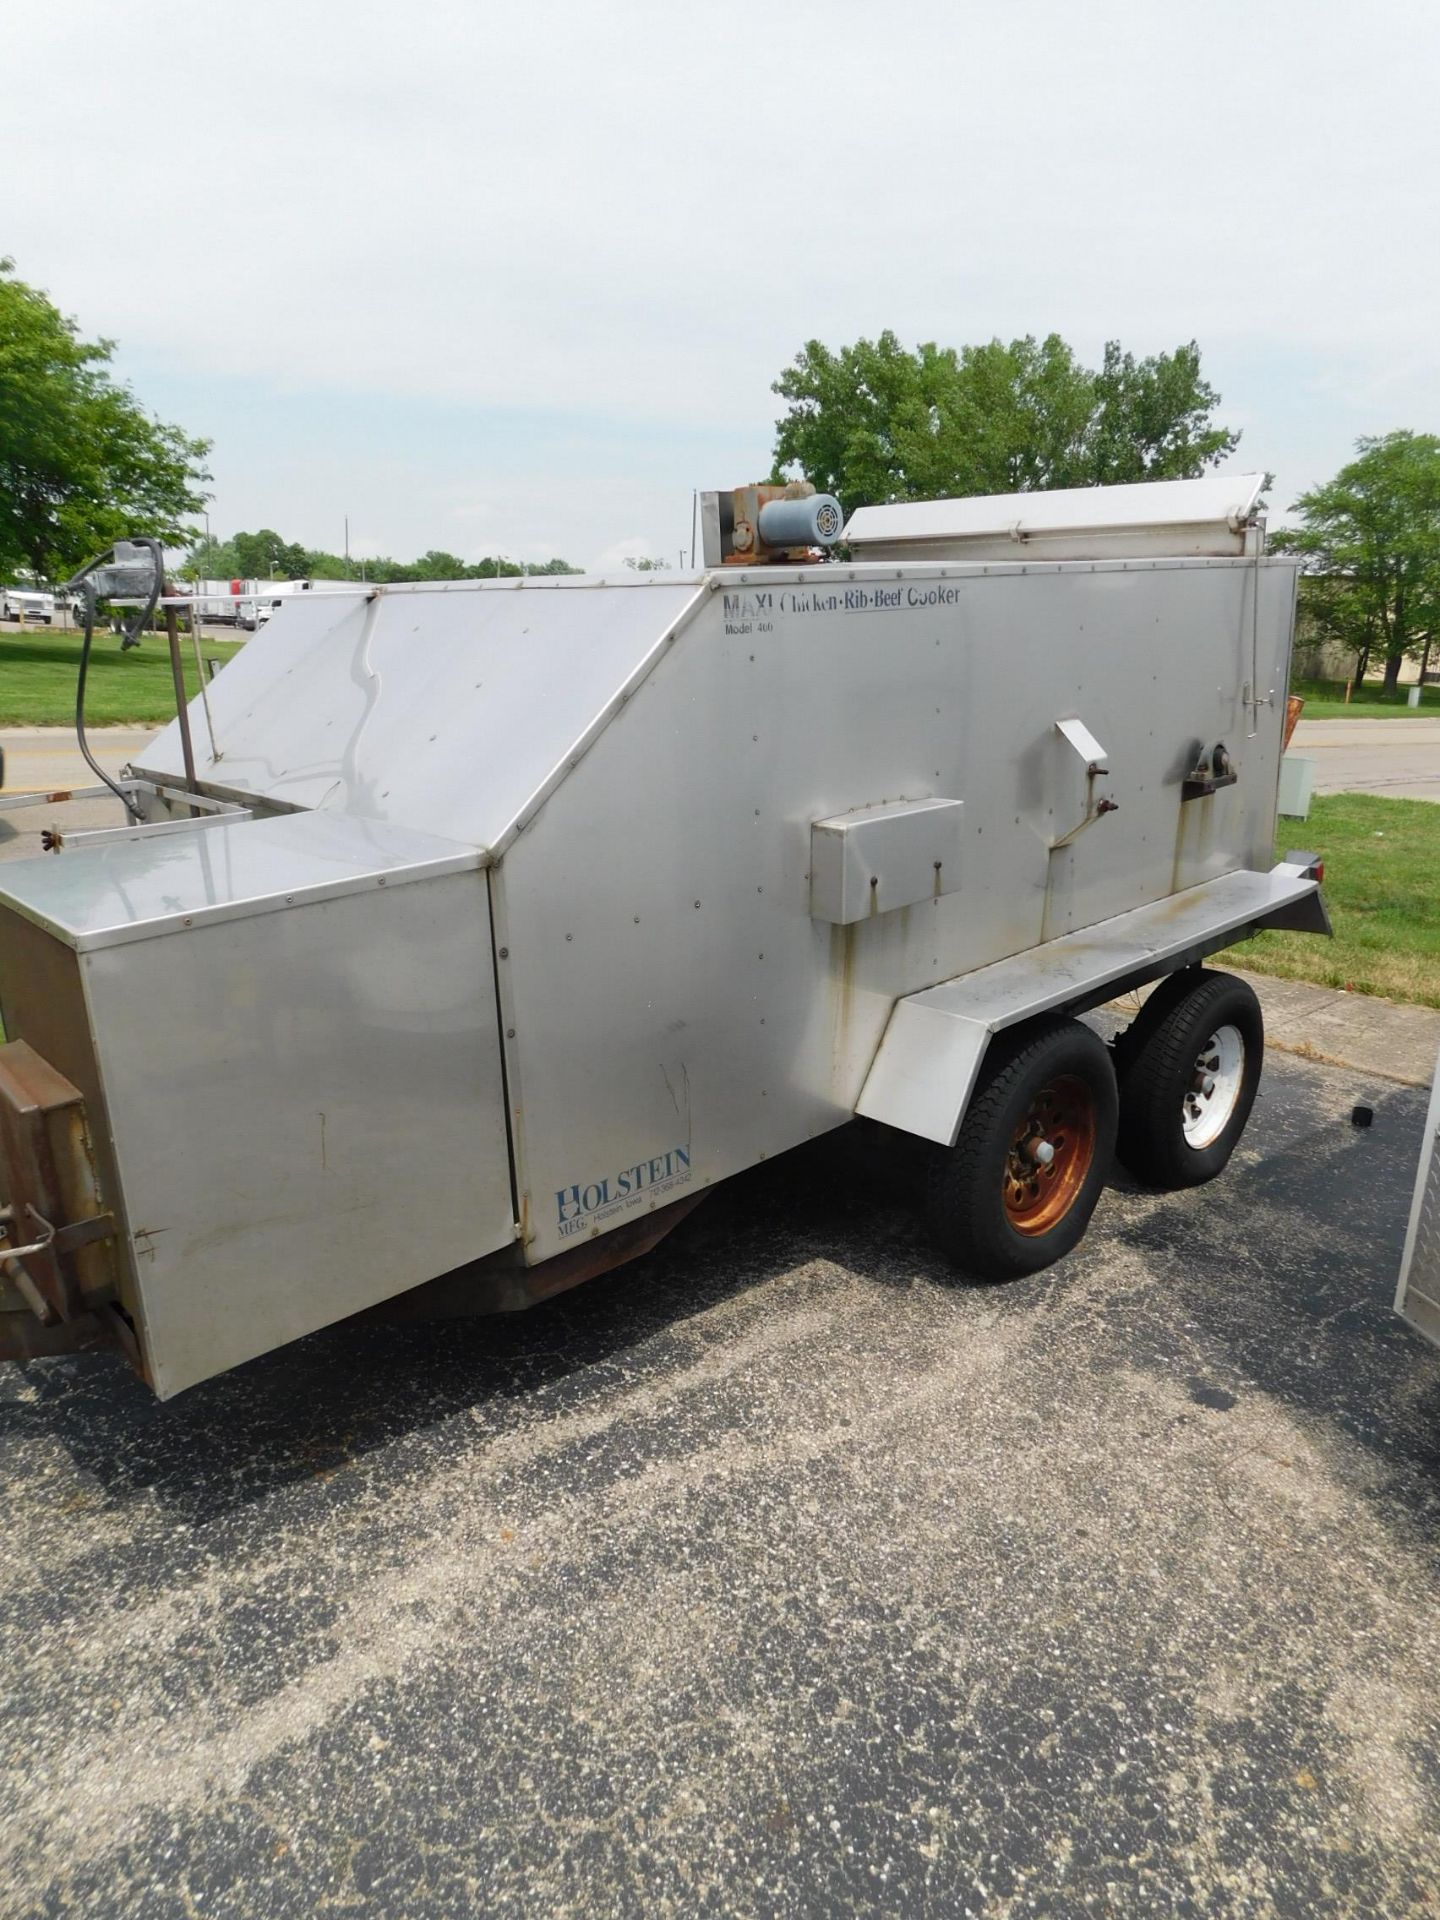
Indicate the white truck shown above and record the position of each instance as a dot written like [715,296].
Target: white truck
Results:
[248,604]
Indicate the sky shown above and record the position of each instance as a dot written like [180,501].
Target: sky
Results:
[516,279]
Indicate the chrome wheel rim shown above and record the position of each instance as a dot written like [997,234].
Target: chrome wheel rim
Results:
[1214,1090]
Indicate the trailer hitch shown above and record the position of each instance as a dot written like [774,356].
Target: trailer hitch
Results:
[48,1162]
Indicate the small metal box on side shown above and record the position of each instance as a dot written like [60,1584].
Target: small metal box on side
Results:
[878,859]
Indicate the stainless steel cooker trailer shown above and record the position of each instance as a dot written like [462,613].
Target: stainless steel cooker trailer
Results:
[479,930]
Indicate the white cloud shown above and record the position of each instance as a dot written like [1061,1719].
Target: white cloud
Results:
[638,212]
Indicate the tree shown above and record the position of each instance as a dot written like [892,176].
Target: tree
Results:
[265,556]
[211,559]
[877,422]
[81,462]
[1371,547]
[435,564]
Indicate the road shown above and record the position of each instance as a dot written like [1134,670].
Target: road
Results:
[777,1575]
[1399,759]
[47,760]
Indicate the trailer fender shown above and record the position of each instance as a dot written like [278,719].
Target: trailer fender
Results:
[929,1056]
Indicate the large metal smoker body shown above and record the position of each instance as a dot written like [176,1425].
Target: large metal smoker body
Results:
[528,945]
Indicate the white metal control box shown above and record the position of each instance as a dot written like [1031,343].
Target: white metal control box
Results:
[879,859]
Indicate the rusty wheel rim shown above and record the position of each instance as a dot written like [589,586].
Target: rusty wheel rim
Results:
[1051,1152]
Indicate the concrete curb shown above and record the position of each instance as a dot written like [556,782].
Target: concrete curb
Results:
[1385,1038]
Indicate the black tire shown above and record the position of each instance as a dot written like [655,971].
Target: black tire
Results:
[976,1212]
[1170,1134]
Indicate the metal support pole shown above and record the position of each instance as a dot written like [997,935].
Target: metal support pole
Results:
[182,708]
[200,676]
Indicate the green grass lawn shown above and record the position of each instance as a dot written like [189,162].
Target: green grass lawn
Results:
[1382,885]
[1325,700]
[37,678]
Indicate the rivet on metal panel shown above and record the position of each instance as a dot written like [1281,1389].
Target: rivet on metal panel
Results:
[289,899]
[186,921]
[504,953]
[697,903]
[637,919]
[570,936]
[379,879]
[509,1033]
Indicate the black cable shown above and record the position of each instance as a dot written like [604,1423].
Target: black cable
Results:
[88,594]
[129,637]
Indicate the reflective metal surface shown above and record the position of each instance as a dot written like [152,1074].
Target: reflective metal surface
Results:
[927,1062]
[1207,515]
[309,1000]
[146,883]
[442,709]
[665,990]
[285,1035]
[307,1113]
[1418,1297]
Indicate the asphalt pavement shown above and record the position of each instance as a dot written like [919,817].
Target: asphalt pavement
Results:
[777,1574]
[42,760]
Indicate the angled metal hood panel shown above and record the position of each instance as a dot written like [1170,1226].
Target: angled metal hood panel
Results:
[443,710]
[1071,521]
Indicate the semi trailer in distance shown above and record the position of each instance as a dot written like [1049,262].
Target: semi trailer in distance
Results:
[478,930]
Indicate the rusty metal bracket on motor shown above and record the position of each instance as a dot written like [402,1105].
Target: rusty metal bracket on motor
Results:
[1209,774]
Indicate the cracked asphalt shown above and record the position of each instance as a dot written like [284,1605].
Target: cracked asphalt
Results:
[778,1574]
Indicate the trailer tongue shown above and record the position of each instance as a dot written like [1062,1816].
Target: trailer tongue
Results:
[499,921]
